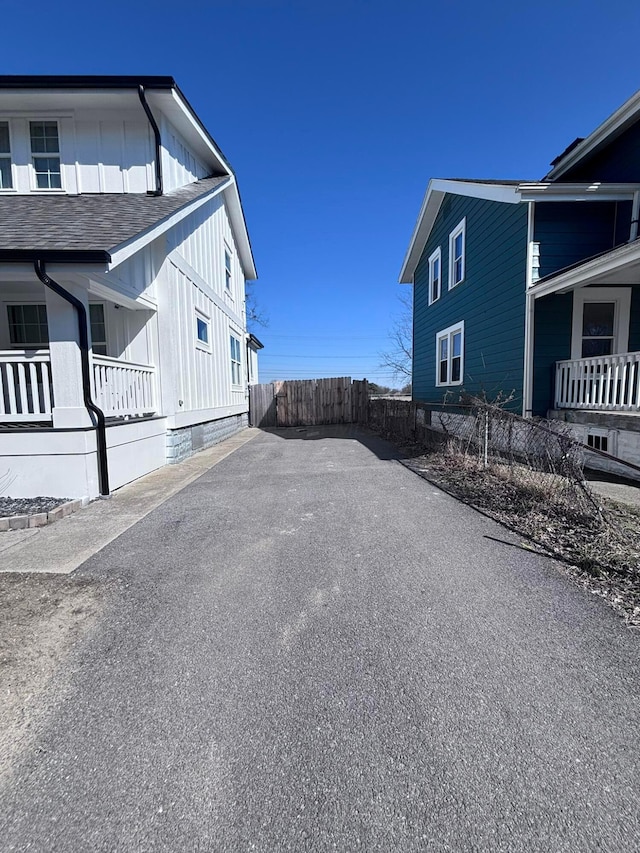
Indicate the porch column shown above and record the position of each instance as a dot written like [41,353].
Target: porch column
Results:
[66,367]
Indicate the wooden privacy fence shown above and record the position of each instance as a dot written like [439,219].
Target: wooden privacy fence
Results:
[308,402]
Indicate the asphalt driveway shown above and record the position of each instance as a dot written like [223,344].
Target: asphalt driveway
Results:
[311,648]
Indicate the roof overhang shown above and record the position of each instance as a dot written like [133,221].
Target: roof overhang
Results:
[620,266]
[436,192]
[548,191]
[613,126]
[254,343]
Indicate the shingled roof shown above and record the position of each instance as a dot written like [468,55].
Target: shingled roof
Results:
[86,227]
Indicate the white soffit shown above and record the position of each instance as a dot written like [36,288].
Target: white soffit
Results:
[436,191]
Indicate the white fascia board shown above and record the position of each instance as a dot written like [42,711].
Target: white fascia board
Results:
[125,250]
[239,226]
[545,191]
[586,273]
[436,192]
[618,121]
[196,129]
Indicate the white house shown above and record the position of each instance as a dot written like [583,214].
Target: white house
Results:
[123,259]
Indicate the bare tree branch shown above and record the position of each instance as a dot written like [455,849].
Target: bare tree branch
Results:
[398,358]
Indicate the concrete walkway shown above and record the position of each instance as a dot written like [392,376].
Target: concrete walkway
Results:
[61,547]
[309,648]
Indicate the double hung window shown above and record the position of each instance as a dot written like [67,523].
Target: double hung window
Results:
[450,355]
[98,329]
[236,361]
[227,269]
[6,180]
[45,154]
[435,276]
[28,326]
[457,240]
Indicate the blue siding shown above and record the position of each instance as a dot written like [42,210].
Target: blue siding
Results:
[569,232]
[619,161]
[490,300]
[552,342]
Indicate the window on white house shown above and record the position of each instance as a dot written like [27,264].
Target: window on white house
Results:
[450,355]
[435,276]
[98,329]
[45,153]
[236,361]
[227,269]
[28,326]
[6,181]
[457,240]
[202,330]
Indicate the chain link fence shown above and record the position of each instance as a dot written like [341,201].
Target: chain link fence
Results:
[528,474]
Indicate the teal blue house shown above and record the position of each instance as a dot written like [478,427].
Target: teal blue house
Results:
[530,290]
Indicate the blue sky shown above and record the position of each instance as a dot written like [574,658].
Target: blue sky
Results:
[335,115]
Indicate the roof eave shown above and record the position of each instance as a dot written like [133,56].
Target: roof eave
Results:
[615,123]
[437,189]
[72,256]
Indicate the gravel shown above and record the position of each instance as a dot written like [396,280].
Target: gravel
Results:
[28,506]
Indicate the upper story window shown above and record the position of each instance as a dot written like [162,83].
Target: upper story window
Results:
[45,153]
[435,275]
[457,240]
[6,181]
[227,269]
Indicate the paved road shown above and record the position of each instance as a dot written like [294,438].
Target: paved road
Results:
[312,649]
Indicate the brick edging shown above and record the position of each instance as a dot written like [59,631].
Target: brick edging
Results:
[40,519]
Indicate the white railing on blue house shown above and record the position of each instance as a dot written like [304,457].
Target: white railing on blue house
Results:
[607,383]
[26,391]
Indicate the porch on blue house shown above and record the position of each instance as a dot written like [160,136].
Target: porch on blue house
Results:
[586,350]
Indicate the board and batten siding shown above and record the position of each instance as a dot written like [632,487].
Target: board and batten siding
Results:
[490,301]
[192,280]
[180,166]
[568,232]
[204,373]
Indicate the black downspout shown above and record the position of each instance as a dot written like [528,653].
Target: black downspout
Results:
[156,132]
[101,432]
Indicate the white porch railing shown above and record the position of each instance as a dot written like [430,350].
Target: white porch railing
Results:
[26,392]
[122,387]
[609,383]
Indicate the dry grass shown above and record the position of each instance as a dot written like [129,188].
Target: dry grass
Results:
[596,539]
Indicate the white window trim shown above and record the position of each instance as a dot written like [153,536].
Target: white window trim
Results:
[621,296]
[200,315]
[32,169]
[26,346]
[227,251]
[448,333]
[8,155]
[435,256]
[461,228]
[233,334]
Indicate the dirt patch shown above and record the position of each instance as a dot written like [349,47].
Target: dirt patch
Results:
[597,539]
[41,618]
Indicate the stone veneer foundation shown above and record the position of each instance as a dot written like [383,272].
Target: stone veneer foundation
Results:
[182,443]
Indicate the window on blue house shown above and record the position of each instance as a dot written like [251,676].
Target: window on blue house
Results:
[457,240]
[435,276]
[450,355]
